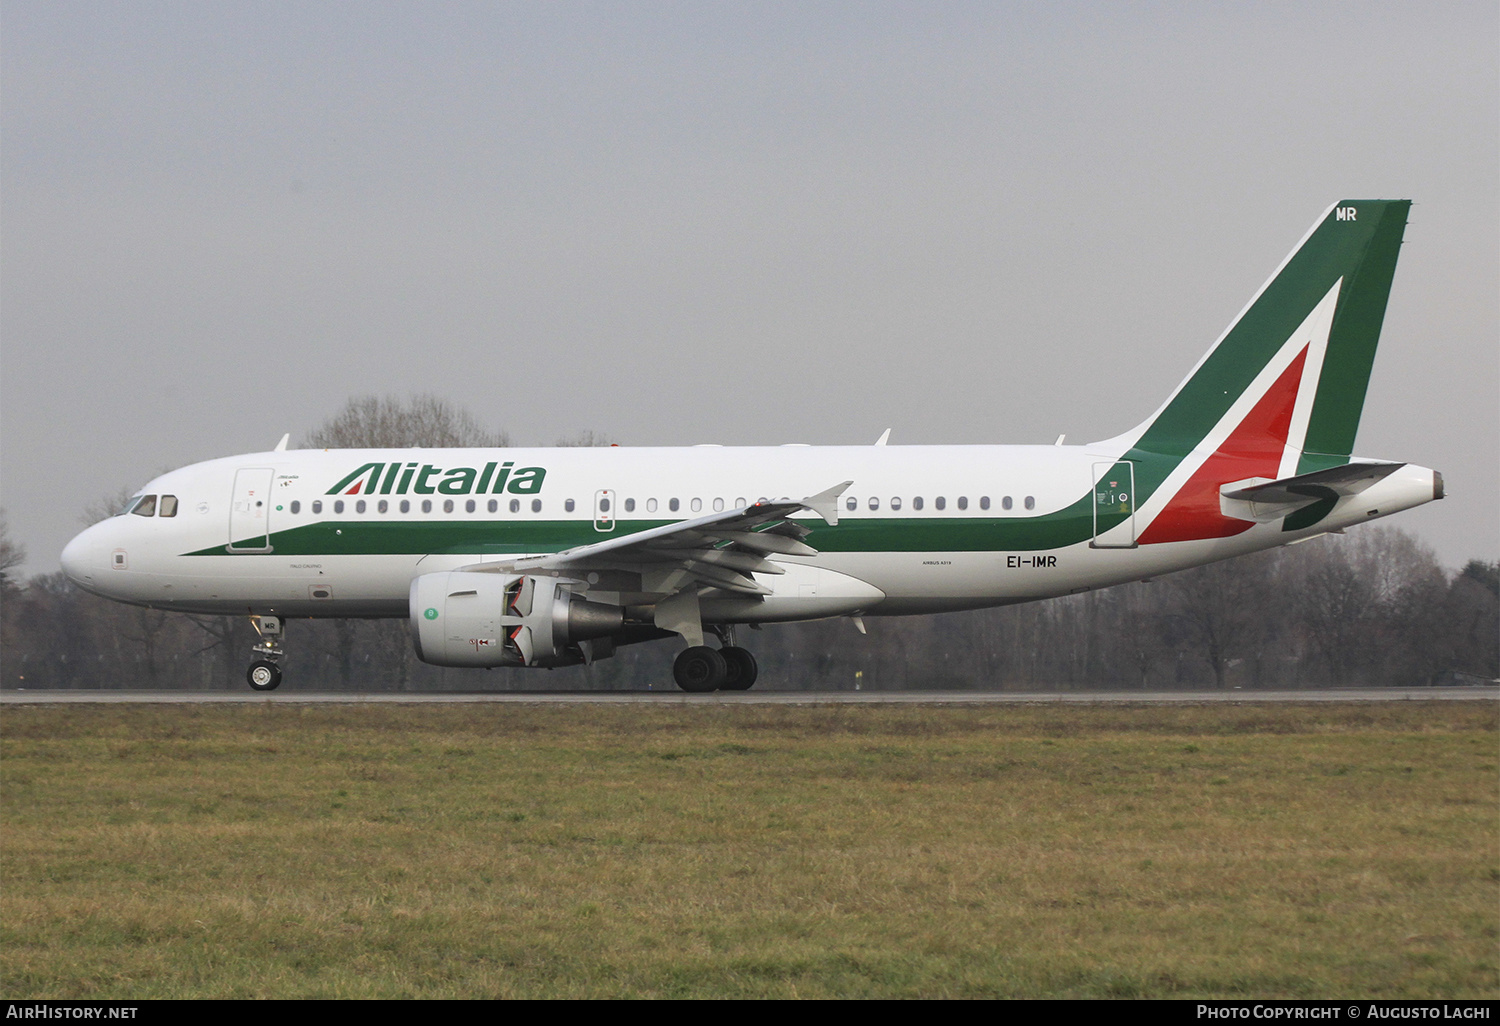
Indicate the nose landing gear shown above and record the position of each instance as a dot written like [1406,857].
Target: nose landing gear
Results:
[264,673]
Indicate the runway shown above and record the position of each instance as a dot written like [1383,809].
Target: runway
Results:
[1233,697]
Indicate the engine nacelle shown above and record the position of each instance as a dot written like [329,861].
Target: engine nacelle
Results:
[463,618]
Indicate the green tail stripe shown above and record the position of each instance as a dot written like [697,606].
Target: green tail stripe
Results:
[1352,342]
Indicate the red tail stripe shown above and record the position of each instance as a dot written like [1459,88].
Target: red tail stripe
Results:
[1253,449]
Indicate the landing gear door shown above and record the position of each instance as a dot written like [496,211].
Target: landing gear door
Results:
[604,510]
[1114,505]
[250,510]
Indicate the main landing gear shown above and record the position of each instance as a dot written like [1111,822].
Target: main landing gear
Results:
[264,673]
[730,668]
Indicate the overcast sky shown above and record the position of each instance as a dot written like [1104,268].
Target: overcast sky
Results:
[715,222]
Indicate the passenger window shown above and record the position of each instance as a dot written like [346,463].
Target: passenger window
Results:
[874,502]
[146,507]
[494,506]
[469,506]
[896,503]
[568,505]
[984,502]
[168,506]
[447,505]
[1005,503]
[405,506]
[963,502]
[426,505]
[629,505]
[296,506]
[650,505]
[536,505]
[672,505]
[852,503]
[383,506]
[604,504]
[697,505]
[317,506]
[1031,502]
[515,505]
[338,506]
[718,505]
[739,503]
[359,507]
[940,502]
[916,503]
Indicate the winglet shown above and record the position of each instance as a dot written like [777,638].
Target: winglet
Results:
[281,445]
[826,503]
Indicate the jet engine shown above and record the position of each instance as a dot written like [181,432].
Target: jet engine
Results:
[464,618]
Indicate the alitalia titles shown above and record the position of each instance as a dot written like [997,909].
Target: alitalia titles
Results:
[425,479]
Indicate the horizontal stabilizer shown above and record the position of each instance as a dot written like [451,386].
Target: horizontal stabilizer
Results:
[1350,479]
[1303,500]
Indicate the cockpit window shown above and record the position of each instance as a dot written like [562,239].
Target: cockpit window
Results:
[168,506]
[145,506]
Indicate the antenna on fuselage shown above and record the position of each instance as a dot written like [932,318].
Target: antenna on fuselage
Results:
[281,445]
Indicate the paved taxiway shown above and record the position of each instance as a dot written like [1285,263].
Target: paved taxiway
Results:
[1461,694]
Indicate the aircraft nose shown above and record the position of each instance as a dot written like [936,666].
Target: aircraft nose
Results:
[85,557]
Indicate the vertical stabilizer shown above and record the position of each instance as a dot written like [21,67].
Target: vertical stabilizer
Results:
[1281,391]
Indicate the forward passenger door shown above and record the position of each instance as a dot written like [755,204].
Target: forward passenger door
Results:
[250,510]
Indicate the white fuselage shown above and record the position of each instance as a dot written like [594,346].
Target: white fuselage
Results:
[921,528]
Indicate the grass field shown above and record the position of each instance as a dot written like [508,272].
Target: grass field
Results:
[528,851]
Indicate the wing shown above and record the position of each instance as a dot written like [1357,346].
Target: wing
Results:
[721,550]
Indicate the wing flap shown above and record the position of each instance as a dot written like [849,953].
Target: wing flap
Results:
[766,542]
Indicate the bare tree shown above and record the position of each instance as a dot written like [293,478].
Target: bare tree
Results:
[1335,605]
[1410,588]
[1486,575]
[386,422]
[586,439]
[1137,629]
[1221,607]
[107,506]
[1471,612]
[11,556]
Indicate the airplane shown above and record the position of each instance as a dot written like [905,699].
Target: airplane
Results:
[555,557]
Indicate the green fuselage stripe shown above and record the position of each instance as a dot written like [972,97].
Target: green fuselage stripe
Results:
[985,533]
